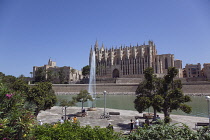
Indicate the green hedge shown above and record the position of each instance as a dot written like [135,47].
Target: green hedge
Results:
[169,132]
[73,131]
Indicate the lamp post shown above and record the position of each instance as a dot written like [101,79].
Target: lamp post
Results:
[65,112]
[104,102]
[93,103]
[208,99]
[82,102]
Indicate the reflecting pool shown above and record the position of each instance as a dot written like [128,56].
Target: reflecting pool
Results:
[125,102]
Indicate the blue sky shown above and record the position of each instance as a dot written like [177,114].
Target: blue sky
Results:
[32,31]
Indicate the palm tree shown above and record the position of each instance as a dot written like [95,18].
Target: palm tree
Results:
[31,74]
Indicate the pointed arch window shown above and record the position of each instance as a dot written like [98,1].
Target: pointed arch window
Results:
[166,63]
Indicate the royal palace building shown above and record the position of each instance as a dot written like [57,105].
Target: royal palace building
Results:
[68,74]
[131,61]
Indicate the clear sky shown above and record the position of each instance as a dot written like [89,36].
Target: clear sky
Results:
[32,31]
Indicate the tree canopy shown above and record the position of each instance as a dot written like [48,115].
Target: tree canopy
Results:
[86,70]
[1,75]
[40,74]
[42,95]
[19,101]
[65,102]
[147,92]
[82,97]
[50,76]
[172,95]
[163,94]
[8,80]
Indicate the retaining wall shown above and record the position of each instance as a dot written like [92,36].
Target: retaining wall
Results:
[199,88]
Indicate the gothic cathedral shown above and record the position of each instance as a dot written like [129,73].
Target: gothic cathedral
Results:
[131,61]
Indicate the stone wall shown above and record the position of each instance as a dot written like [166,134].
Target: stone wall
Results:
[110,88]
[199,88]
[129,80]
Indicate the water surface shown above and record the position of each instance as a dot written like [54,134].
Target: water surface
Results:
[125,102]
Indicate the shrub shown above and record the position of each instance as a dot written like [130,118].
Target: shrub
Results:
[73,131]
[15,121]
[166,131]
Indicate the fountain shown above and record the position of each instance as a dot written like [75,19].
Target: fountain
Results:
[92,82]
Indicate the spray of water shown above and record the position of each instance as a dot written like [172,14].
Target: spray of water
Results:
[92,80]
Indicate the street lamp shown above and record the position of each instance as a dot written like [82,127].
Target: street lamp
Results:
[94,102]
[65,112]
[104,102]
[208,99]
[82,102]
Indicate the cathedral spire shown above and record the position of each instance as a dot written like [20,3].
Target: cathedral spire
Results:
[91,48]
[102,47]
[96,45]
[91,51]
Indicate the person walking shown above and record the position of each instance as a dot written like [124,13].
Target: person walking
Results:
[40,122]
[136,123]
[75,119]
[62,120]
[147,121]
[131,125]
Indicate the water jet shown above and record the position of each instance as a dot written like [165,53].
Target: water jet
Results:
[92,82]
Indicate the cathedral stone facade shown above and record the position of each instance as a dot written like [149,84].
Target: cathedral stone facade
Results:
[131,61]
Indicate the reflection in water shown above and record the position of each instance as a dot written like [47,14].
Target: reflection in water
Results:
[125,102]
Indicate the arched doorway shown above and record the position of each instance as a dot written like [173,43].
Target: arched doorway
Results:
[115,73]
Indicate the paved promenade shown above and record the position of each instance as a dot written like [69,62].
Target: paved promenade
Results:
[120,122]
